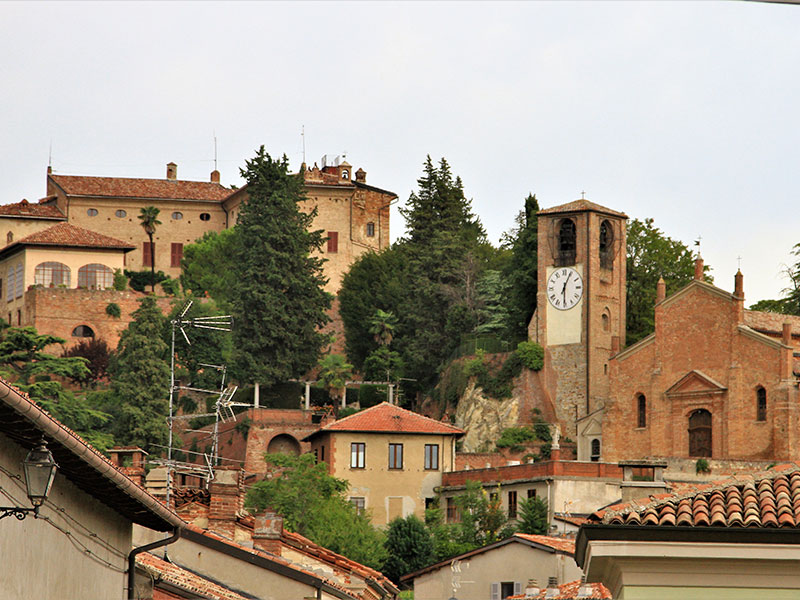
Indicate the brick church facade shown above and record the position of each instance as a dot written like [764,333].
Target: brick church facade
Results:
[713,380]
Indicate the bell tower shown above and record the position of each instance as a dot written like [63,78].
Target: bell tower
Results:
[580,314]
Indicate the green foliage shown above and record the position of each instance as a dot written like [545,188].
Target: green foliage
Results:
[452,384]
[279,302]
[702,466]
[790,303]
[334,371]
[97,356]
[313,504]
[514,438]
[382,326]
[493,313]
[24,362]
[207,265]
[651,255]
[370,395]
[140,380]
[483,520]
[148,218]
[522,271]
[531,354]
[171,287]
[409,545]
[120,281]
[532,517]
[113,310]
[383,365]
[139,280]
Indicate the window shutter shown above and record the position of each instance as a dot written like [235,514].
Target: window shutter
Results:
[177,255]
[495,591]
[147,251]
[19,280]
[517,588]
[10,288]
[333,241]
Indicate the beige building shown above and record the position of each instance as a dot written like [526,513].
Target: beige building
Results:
[734,539]
[353,215]
[393,458]
[498,570]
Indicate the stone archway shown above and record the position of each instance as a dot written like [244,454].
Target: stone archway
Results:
[283,444]
[700,434]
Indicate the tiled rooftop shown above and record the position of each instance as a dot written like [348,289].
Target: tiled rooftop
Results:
[569,591]
[560,544]
[770,322]
[40,210]
[579,205]
[770,499]
[123,187]
[187,581]
[65,234]
[387,418]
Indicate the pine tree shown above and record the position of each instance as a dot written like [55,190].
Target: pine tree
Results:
[522,272]
[410,547]
[533,516]
[279,303]
[138,399]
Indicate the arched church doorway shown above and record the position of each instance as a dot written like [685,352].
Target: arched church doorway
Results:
[283,444]
[700,433]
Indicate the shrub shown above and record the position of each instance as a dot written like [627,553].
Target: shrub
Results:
[94,350]
[531,354]
[140,280]
[702,466]
[514,437]
[171,287]
[120,281]
[370,395]
[113,310]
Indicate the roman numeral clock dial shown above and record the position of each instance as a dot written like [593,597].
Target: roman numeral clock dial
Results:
[564,288]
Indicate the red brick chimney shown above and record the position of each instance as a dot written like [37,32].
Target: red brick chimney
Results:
[130,460]
[738,296]
[361,175]
[267,532]
[172,170]
[698,269]
[661,290]
[224,503]
[214,176]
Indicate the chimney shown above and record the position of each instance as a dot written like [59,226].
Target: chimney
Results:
[652,469]
[787,333]
[661,290]
[532,589]
[698,269]
[267,532]
[172,171]
[214,176]
[224,504]
[738,288]
[786,363]
[585,590]
[130,460]
[361,176]
[552,590]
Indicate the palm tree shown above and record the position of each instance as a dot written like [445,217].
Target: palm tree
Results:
[381,326]
[334,371]
[149,218]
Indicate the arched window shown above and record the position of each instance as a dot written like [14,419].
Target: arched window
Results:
[641,411]
[605,320]
[83,331]
[566,243]
[345,174]
[595,454]
[761,404]
[9,237]
[700,433]
[95,276]
[51,274]
[606,245]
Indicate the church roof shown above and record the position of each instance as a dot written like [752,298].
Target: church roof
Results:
[579,206]
[155,189]
[388,418]
[32,210]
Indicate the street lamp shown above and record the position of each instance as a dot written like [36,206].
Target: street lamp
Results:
[40,471]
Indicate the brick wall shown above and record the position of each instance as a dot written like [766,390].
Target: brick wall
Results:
[531,470]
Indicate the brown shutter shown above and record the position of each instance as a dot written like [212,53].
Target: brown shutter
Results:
[333,241]
[176,255]
[147,251]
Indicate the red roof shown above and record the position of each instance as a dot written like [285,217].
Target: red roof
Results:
[561,544]
[172,574]
[388,418]
[569,591]
[770,499]
[65,234]
[581,205]
[123,187]
[42,210]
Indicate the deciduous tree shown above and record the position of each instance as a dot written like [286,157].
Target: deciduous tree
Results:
[409,545]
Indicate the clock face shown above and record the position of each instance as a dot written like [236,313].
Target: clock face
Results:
[564,288]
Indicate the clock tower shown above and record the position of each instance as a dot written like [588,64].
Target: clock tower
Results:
[580,313]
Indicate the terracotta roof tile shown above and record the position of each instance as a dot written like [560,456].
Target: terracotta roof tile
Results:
[580,205]
[185,580]
[766,322]
[561,544]
[569,591]
[65,234]
[41,210]
[770,499]
[387,418]
[123,187]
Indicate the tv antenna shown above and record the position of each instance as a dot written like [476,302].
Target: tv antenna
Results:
[181,323]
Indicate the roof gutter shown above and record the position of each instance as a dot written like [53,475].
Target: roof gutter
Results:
[57,432]
[146,548]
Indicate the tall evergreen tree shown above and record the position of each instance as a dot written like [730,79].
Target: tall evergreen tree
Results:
[279,303]
[138,398]
[410,547]
[522,272]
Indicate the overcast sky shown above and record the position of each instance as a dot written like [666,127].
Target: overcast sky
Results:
[683,112]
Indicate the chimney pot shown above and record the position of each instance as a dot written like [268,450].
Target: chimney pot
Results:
[661,290]
[267,531]
[214,176]
[172,170]
[698,269]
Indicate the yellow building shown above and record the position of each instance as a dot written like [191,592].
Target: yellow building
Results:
[393,458]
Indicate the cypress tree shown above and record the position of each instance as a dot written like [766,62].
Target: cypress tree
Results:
[279,303]
[522,272]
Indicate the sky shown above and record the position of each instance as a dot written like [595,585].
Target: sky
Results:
[683,112]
